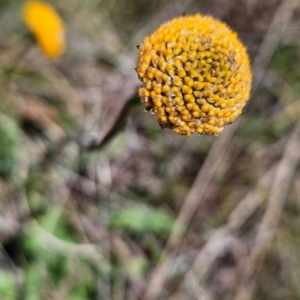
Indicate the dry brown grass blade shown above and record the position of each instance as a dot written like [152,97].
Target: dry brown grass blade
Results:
[223,236]
[251,202]
[267,229]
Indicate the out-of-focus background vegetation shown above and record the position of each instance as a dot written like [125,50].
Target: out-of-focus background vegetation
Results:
[91,187]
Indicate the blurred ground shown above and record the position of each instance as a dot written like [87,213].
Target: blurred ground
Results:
[90,186]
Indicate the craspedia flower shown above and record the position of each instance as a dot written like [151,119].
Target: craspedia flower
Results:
[47,27]
[196,75]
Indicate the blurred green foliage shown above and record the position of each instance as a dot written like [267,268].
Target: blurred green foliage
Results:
[9,143]
[48,271]
[8,290]
[140,219]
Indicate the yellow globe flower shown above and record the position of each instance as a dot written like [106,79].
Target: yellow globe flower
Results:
[196,75]
[47,27]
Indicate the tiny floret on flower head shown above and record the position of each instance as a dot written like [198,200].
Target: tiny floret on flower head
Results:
[196,75]
[47,27]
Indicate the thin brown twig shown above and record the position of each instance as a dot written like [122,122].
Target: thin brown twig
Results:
[99,142]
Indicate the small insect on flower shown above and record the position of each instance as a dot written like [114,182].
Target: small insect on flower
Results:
[196,75]
[47,27]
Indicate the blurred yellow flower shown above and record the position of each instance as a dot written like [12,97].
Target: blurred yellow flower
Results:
[196,75]
[47,27]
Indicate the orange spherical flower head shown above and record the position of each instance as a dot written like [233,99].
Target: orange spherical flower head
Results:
[47,27]
[196,75]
